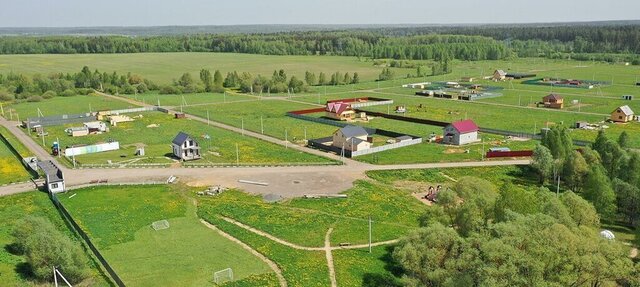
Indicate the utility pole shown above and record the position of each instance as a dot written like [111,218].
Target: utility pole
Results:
[208,118]
[261,126]
[242,125]
[369,233]
[237,155]
[286,138]
[305,133]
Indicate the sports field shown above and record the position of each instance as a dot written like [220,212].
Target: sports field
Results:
[13,271]
[162,68]
[155,130]
[185,254]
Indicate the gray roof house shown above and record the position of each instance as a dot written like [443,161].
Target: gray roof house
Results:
[53,176]
[185,147]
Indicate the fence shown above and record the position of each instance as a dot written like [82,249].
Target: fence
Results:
[527,135]
[325,121]
[202,165]
[86,239]
[321,143]
[519,153]
[59,120]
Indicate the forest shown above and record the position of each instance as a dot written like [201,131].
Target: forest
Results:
[609,42]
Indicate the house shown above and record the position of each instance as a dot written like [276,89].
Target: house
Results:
[352,138]
[339,111]
[553,101]
[185,147]
[54,179]
[622,114]
[499,75]
[460,133]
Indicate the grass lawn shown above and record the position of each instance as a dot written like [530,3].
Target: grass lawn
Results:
[186,254]
[162,68]
[11,169]
[157,142]
[64,105]
[12,209]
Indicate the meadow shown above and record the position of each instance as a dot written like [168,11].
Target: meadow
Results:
[162,68]
[185,254]
[13,271]
[11,169]
[220,149]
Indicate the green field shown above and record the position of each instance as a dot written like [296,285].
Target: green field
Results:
[16,207]
[164,67]
[221,149]
[189,99]
[63,105]
[11,169]
[186,254]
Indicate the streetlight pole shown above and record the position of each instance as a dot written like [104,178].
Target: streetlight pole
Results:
[369,233]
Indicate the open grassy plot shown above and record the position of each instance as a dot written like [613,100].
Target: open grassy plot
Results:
[11,169]
[164,67]
[118,219]
[221,149]
[12,266]
[189,99]
[64,105]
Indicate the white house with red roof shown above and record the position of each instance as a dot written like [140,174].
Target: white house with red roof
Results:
[461,133]
[339,111]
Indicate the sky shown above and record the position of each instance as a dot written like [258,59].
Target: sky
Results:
[87,13]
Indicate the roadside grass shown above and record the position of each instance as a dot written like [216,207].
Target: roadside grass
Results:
[63,105]
[221,149]
[11,169]
[13,270]
[360,268]
[186,254]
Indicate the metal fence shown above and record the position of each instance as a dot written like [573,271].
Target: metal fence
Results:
[116,279]
[204,165]
[386,147]
[59,120]
[326,122]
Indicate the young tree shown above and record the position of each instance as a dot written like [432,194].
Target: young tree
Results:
[310,78]
[207,80]
[356,78]
[623,140]
[628,201]
[45,246]
[597,189]
[574,171]
[322,79]
[218,80]
[347,78]
[185,80]
[296,85]
[542,162]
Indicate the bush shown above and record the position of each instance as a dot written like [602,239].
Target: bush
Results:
[170,90]
[45,246]
[142,88]
[49,94]
[6,96]
[68,93]
[34,99]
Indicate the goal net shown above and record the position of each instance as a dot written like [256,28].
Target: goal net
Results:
[222,276]
[159,225]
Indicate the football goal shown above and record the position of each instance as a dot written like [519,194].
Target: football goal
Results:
[159,225]
[222,276]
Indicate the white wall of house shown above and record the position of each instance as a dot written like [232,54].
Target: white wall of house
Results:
[55,187]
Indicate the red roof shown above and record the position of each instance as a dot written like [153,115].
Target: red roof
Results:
[466,126]
[337,107]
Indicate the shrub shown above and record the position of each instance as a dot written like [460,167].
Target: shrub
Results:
[34,99]
[6,96]
[49,94]
[44,246]
[170,90]
[68,93]
[142,88]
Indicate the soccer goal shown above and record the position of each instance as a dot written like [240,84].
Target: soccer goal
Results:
[159,225]
[222,276]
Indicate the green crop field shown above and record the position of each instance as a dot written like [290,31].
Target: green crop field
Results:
[221,149]
[11,169]
[164,67]
[16,207]
[63,105]
[185,254]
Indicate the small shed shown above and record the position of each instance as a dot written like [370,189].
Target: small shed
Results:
[581,125]
[553,101]
[180,115]
[77,131]
[622,114]
[185,147]
[627,97]
[425,93]
[461,132]
[499,75]
[54,178]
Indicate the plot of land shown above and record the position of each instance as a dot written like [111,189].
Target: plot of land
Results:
[64,105]
[11,169]
[185,254]
[155,130]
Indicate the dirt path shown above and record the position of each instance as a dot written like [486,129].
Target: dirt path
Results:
[327,251]
[272,265]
